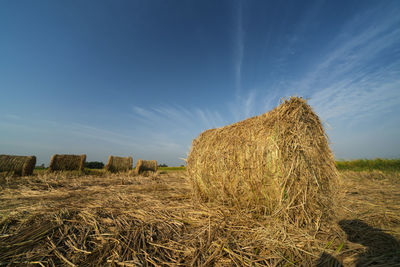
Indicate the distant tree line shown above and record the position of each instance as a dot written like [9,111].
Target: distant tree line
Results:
[94,165]
[41,166]
[162,165]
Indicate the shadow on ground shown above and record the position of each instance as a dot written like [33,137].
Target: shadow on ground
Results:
[382,249]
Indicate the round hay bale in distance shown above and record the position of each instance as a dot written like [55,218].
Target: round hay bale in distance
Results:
[119,164]
[146,166]
[67,163]
[275,163]
[19,165]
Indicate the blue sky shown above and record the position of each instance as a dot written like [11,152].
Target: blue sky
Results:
[144,78]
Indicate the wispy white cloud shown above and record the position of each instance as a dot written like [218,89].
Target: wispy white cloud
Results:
[244,105]
[360,75]
[174,127]
[178,118]
[239,46]
[350,100]
[102,135]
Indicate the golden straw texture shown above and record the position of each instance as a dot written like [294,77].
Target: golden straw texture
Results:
[276,163]
[19,165]
[146,166]
[119,164]
[67,162]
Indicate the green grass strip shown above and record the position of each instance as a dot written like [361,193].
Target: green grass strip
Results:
[369,165]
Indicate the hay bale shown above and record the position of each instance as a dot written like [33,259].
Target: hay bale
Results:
[275,163]
[145,166]
[118,164]
[19,165]
[67,163]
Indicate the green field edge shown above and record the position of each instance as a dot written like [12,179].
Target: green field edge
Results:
[389,165]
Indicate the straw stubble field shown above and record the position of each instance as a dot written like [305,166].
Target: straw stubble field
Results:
[123,220]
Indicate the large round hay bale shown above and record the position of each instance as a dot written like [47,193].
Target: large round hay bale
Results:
[119,164]
[67,162]
[275,163]
[19,165]
[145,166]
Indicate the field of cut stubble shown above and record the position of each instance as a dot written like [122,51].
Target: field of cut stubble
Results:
[120,220]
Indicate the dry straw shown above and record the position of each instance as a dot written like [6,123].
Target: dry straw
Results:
[278,163]
[64,220]
[146,166]
[19,165]
[119,164]
[67,162]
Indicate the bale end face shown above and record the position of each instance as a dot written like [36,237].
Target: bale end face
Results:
[119,164]
[29,166]
[146,167]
